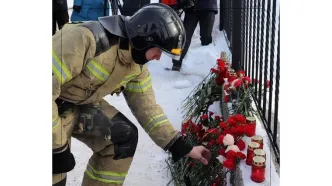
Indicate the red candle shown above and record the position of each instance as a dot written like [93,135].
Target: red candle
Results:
[251,121]
[258,139]
[258,169]
[250,152]
[260,152]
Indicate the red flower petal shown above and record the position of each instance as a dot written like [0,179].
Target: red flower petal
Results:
[240,73]
[220,139]
[237,84]
[204,116]
[231,154]
[226,98]
[241,155]
[222,152]
[223,125]
[212,142]
[247,80]
[240,118]
[213,70]
[229,164]
[231,78]
[231,121]
[241,144]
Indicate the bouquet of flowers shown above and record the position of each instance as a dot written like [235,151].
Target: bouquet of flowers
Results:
[222,138]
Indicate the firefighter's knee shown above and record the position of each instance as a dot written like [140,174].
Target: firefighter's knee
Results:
[124,135]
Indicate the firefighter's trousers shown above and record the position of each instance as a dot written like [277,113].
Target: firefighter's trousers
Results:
[110,135]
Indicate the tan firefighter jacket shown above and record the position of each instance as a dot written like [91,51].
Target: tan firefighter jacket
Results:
[82,77]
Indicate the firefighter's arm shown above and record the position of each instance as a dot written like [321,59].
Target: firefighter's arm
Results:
[69,53]
[141,99]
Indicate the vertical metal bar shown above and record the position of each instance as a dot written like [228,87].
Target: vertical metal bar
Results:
[242,35]
[250,37]
[257,46]
[221,15]
[236,34]
[276,96]
[266,53]
[272,61]
[231,22]
[261,54]
[254,40]
[246,36]
[226,19]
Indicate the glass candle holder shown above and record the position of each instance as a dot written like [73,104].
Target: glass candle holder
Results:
[258,139]
[260,152]
[258,169]
[252,146]
[223,55]
[251,121]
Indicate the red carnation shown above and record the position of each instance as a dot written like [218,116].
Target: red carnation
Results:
[247,80]
[241,155]
[231,154]
[184,127]
[233,131]
[240,73]
[241,144]
[200,126]
[212,142]
[229,163]
[240,130]
[226,98]
[237,84]
[240,118]
[204,116]
[222,152]
[211,113]
[231,78]
[223,125]
[226,74]
[221,64]
[220,139]
[217,118]
[213,70]
[231,121]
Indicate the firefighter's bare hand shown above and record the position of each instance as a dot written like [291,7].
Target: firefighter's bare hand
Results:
[201,154]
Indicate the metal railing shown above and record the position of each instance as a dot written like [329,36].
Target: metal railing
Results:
[252,28]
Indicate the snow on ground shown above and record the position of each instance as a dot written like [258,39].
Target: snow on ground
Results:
[171,88]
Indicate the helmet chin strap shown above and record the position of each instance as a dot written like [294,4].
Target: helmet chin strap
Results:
[139,55]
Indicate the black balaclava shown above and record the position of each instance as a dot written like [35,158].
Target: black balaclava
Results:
[139,55]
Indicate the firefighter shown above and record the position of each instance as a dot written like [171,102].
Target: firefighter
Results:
[93,59]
